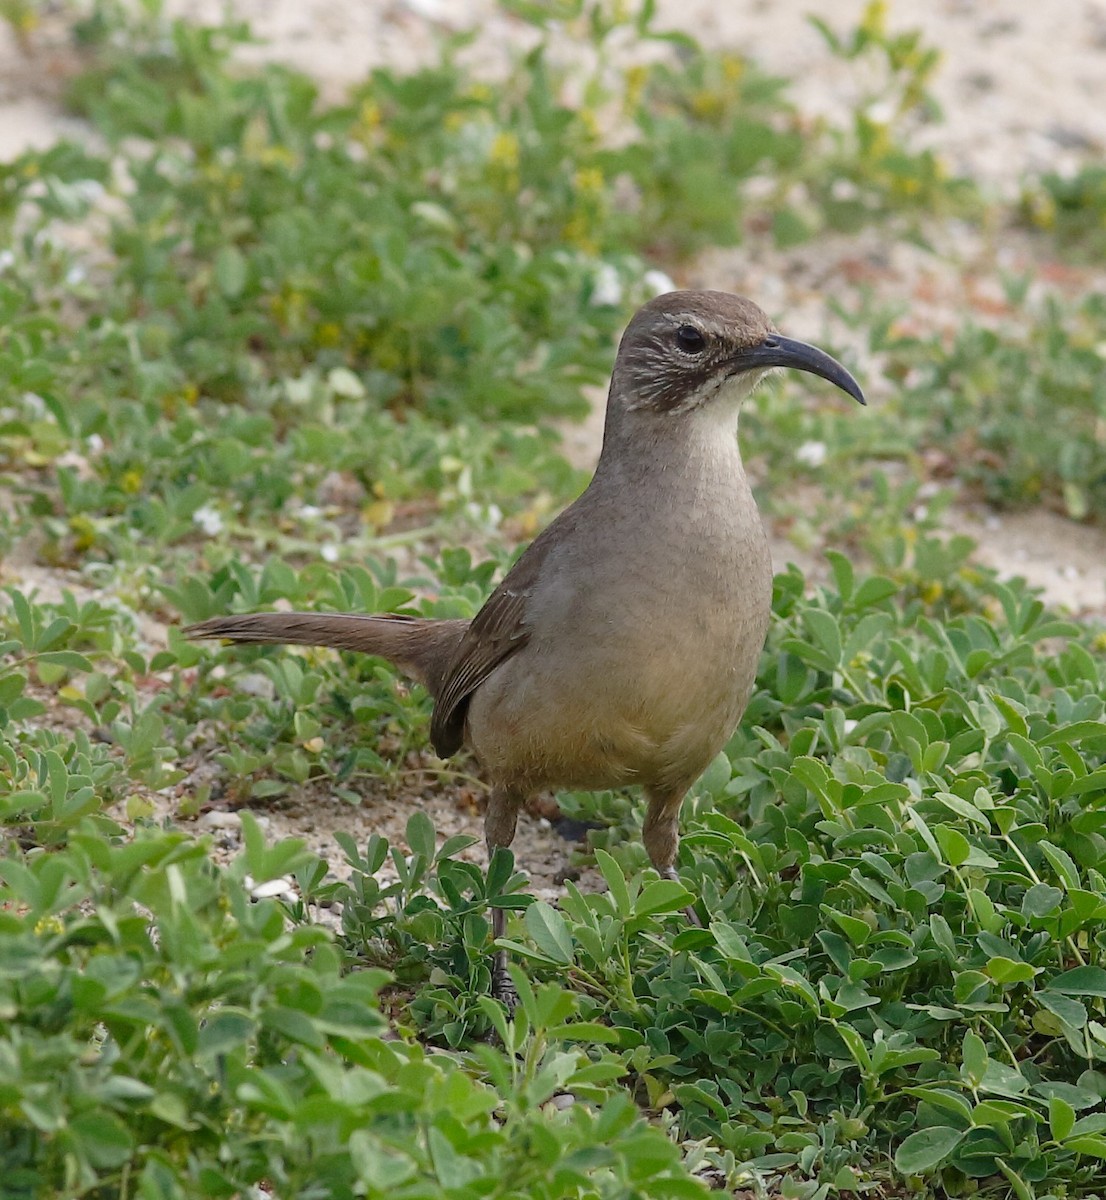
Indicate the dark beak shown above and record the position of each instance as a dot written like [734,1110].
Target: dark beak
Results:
[778,351]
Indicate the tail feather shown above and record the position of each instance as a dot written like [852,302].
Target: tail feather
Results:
[421,647]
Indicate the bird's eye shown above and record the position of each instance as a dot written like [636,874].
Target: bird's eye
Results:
[690,340]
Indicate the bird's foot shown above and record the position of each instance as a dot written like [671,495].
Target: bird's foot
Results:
[503,988]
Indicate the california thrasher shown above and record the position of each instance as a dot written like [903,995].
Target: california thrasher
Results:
[623,645]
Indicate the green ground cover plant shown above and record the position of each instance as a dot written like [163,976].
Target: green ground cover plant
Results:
[1070,206]
[1012,408]
[211,398]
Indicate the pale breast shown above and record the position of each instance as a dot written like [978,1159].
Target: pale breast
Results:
[642,674]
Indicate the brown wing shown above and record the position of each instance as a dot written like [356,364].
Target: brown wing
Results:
[497,631]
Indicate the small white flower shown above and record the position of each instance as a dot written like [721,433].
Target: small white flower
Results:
[490,515]
[7,259]
[284,887]
[658,282]
[89,190]
[94,442]
[811,454]
[309,512]
[606,291]
[329,552]
[209,519]
[343,382]
[844,189]
[75,275]
[430,10]
[36,406]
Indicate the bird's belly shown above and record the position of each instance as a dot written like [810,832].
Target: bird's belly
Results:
[650,705]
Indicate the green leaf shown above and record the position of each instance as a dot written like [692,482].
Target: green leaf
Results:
[69,659]
[661,896]
[857,931]
[420,835]
[1007,970]
[1041,900]
[955,847]
[616,883]
[872,591]
[295,1026]
[926,1149]
[1062,864]
[102,1138]
[230,271]
[963,808]
[379,1165]
[550,933]
[1073,1012]
[586,1031]
[1021,1189]
[1077,731]
[1094,1145]
[974,1059]
[1061,1118]
[1080,981]
[824,629]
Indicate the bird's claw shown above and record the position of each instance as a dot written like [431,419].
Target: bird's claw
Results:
[503,989]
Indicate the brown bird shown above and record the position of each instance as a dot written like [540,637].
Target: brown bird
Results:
[623,645]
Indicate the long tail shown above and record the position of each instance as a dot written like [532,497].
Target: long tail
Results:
[422,648]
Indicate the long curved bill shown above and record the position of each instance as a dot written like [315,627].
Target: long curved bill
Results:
[779,351]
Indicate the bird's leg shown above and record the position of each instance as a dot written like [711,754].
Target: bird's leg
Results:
[661,835]
[499,830]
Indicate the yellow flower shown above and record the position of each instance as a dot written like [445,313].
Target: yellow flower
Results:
[706,103]
[369,115]
[329,333]
[932,592]
[874,21]
[634,82]
[379,514]
[1042,211]
[733,67]
[588,179]
[577,233]
[84,532]
[505,150]
[905,187]
[590,122]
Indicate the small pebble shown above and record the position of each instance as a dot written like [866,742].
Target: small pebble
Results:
[219,819]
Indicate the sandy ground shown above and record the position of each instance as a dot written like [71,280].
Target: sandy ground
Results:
[1020,87]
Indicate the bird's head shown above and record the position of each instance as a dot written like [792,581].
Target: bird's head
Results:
[683,351]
